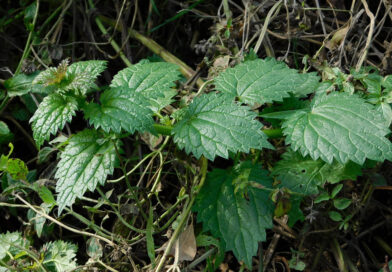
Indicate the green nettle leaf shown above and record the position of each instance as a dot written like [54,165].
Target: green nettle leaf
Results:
[121,108]
[339,126]
[79,76]
[213,124]
[159,102]
[22,84]
[305,175]
[241,223]
[59,256]
[154,80]
[264,81]
[386,110]
[12,243]
[52,114]
[92,67]
[52,75]
[85,162]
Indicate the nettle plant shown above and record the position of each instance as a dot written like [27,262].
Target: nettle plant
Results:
[327,139]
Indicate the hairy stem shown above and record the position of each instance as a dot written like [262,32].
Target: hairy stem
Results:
[271,133]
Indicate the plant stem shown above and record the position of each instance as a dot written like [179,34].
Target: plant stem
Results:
[156,48]
[26,50]
[163,129]
[63,225]
[227,10]
[271,133]
[187,211]
[115,46]
[118,213]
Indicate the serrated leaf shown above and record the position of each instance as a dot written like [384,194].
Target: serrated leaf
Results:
[264,81]
[121,108]
[386,111]
[213,124]
[79,76]
[304,175]
[159,102]
[12,242]
[52,114]
[92,67]
[241,223]
[84,163]
[22,84]
[339,126]
[152,79]
[52,75]
[59,256]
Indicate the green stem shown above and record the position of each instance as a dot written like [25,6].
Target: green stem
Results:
[26,50]
[163,129]
[271,133]
[178,15]
[118,213]
[50,18]
[184,217]
[156,48]
[90,224]
[25,54]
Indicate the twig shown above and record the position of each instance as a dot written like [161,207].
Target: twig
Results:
[63,225]
[199,260]
[184,218]
[157,49]
[271,248]
[369,37]
[337,252]
[320,14]
[266,23]
[115,46]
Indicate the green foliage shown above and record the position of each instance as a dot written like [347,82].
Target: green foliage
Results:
[16,168]
[153,80]
[22,84]
[5,133]
[57,256]
[304,175]
[212,125]
[51,116]
[85,162]
[264,81]
[12,243]
[241,222]
[78,77]
[121,108]
[339,126]
[60,256]
[328,140]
